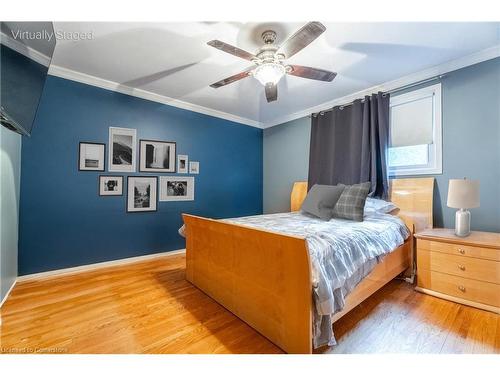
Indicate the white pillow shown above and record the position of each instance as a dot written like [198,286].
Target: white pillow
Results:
[378,206]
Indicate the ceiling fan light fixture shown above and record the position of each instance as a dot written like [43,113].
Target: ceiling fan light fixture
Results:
[269,73]
[270,63]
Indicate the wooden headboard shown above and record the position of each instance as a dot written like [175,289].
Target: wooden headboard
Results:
[299,192]
[413,196]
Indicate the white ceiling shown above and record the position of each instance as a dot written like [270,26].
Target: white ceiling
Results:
[173,59]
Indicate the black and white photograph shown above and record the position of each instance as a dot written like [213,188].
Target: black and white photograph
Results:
[156,156]
[110,185]
[182,164]
[194,167]
[91,156]
[176,188]
[122,149]
[141,194]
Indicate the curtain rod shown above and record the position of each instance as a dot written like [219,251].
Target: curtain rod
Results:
[438,77]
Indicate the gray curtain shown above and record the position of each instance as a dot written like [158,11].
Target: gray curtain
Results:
[348,145]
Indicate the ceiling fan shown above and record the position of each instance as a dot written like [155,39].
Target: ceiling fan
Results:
[269,61]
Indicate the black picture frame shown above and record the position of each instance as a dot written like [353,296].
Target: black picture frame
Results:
[80,155]
[128,193]
[127,132]
[172,157]
[99,185]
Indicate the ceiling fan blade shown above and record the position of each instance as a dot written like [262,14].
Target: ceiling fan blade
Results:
[271,92]
[233,78]
[312,73]
[238,52]
[301,39]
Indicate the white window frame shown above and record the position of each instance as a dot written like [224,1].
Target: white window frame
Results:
[435,156]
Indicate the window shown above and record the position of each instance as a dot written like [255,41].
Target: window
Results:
[415,133]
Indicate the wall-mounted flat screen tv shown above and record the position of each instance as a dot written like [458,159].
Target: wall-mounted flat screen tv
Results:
[26,53]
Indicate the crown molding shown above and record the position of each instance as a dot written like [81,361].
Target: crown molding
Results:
[73,75]
[25,50]
[449,66]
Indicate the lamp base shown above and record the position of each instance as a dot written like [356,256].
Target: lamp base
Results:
[462,223]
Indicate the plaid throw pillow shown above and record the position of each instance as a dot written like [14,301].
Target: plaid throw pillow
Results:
[351,203]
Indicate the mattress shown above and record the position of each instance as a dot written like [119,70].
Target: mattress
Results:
[342,254]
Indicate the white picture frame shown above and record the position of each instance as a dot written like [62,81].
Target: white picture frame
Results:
[182,163]
[157,156]
[145,198]
[194,167]
[110,185]
[122,149]
[91,156]
[176,188]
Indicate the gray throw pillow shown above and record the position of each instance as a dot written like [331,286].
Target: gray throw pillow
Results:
[351,203]
[321,200]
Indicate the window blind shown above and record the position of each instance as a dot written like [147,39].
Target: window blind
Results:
[412,122]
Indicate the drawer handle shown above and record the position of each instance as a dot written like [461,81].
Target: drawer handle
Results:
[461,288]
[461,251]
[461,267]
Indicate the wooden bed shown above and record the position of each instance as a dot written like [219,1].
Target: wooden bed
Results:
[264,277]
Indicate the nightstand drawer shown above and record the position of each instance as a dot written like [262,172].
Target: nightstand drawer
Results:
[456,249]
[472,290]
[472,268]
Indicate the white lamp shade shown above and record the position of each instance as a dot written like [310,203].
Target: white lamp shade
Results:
[463,193]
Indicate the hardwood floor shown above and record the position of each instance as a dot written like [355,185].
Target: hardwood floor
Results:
[398,319]
[149,307]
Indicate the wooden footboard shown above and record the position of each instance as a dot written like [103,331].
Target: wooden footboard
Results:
[262,277]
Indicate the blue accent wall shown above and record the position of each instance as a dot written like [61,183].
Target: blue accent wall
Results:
[471,147]
[63,220]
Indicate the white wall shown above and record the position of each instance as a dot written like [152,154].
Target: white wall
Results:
[10,172]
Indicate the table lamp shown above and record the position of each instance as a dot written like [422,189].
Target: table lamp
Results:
[463,194]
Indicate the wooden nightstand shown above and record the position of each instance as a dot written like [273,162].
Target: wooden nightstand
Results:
[464,270]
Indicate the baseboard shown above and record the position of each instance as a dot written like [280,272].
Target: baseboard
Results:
[94,266]
[6,295]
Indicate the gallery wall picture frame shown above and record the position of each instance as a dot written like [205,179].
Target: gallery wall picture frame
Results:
[182,164]
[110,185]
[194,167]
[122,149]
[176,188]
[91,156]
[142,194]
[157,156]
